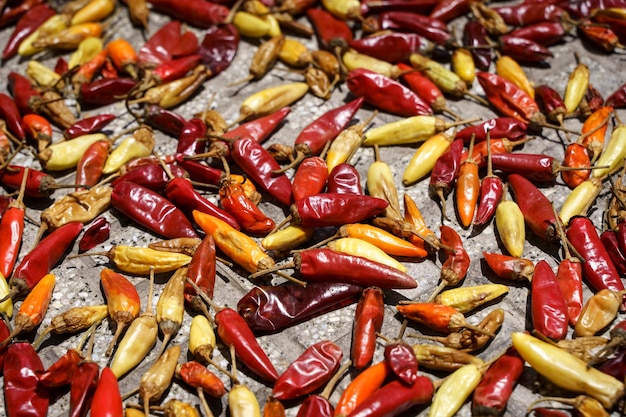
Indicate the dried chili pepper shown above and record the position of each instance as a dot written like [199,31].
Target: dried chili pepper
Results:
[432,29]
[444,173]
[392,47]
[197,13]
[502,127]
[610,160]
[28,23]
[493,392]
[122,300]
[74,320]
[156,380]
[361,387]
[333,34]
[367,323]
[535,206]
[105,91]
[402,362]
[466,299]
[151,176]
[467,189]
[61,372]
[335,209]
[457,262]
[525,14]
[441,358]
[22,397]
[438,317]
[344,179]
[201,271]
[92,162]
[594,131]
[395,397]
[612,246]
[11,230]
[11,115]
[548,305]
[598,312]
[247,215]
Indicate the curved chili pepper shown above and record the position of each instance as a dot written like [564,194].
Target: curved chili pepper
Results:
[475,34]
[198,376]
[269,309]
[447,10]
[176,68]
[21,393]
[432,29]
[309,371]
[164,120]
[548,306]
[61,372]
[158,48]
[38,183]
[191,139]
[88,125]
[336,209]
[344,179]
[444,173]
[392,47]
[199,13]
[618,98]
[201,271]
[82,388]
[14,10]
[535,206]
[28,23]
[331,32]
[491,191]
[402,362]
[509,267]
[457,260]
[395,397]
[151,210]
[107,401]
[234,201]
[544,33]
[23,92]
[415,6]
[569,277]
[151,176]
[219,47]
[11,115]
[386,94]
[368,321]
[611,244]
[105,91]
[523,50]
[200,172]
[495,389]
[502,127]
[91,164]
[424,88]
[529,13]
[550,102]
[310,178]
[96,234]
[259,129]
[534,167]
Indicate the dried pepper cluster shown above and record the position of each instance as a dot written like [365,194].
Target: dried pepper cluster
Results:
[391,56]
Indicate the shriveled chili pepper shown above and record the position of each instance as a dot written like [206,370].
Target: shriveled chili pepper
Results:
[395,397]
[523,50]
[150,176]
[432,29]
[502,127]
[151,210]
[198,376]
[466,299]
[335,209]
[247,215]
[441,358]
[21,392]
[491,191]
[611,244]
[598,312]
[268,309]
[535,206]
[475,34]
[88,125]
[367,323]
[11,115]
[197,13]
[344,179]
[392,47]
[28,23]
[402,362]
[415,6]
[548,305]
[333,34]
[456,262]
[105,91]
[61,372]
[201,271]
[444,173]
[91,164]
[387,242]
[74,320]
[158,48]
[525,14]
[122,300]
[618,98]
[11,230]
[437,317]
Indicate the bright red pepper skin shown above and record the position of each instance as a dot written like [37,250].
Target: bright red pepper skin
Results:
[402,362]
[151,211]
[424,88]
[105,91]
[544,33]
[187,45]
[444,173]
[344,179]
[576,155]
[535,206]
[40,261]
[507,98]
[386,94]
[491,191]
[158,48]
[598,269]
[11,230]
[611,244]
[219,47]
[198,376]
[331,32]
[37,184]
[198,13]
[164,120]
[327,209]
[617,25]
[524,50]
[151,176]
[570,278]
[312,139]
[22,398]
[88,125]
[493,392]
[529,13]
[270,309]
[96,234]
[175,69]
[11,115]
[501,127]
[368,321]
[91,164]
[23,92]
[259,129]
[320,265]
[550,102]
[415,6]
[82,388]
[309,372]
[432,29]
[548,306]
[315,406]
[61,372]
[107,401]
[508,267]
[28,23]
[534,167]
[392,47]
[310,178]
[447,10]
[457,261]
[259,165]
[233,331]
[191,140]
[201,270]
[248,216]
[475,34]
[395,397]
[200,172]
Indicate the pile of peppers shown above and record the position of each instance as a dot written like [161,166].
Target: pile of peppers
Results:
[104,138]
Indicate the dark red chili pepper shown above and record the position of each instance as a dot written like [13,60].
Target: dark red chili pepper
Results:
[611,244]
[83,386]
[11,115]
[107,401]
[569,275]
[200,172]
[502,127]
[457,260]
[598,269]
[191,140]
[315,406]
[248,216]
[415,6]
[23,92]
[550,103]
[88,125]
[585,7]
[475,34]
[151,176]
[21,394]
[592,102]
[269,309]
[233,331]
[617,25]
[344,179]
[198,376]
[259,165]
[201,270]
[309,372]
[523,50]
[509,267]
[402,362]
[495,389]
[40,261]
[332,33]
[176,68]
[323,210]
[529,13]
[444,173]
[395,397]
[15,10]
[151,211]
[424,88]
[38,183]
[447,10]
[535,206]
[534,167]
[164,120]
[544,33]
[259,129]
[615,366]
[491,191]
[618,98]
[310,177]
[187,45]
[548,306]
[368,321]
[219,47]
[200,13]
[28,23]
[432,29]
[158,48]
[91,164]
[61,66]
[4,334]
[105,91]
[96,234]
[386,94]
[598,35]
[61,372]
[392,47]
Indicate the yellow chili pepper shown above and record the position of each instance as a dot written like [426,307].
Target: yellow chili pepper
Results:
[466,299]
[441,358]
[424,158]
[446,80]
[251,26]
[580,199]
[74,320]
[170,308]
[6,307]
[387,242]
[353,60]
[94,11]
[53,25]
[287,238]
[201,338]
[175,92]
[79,206]
[358,247]
[454,391]
[140,261]
[294,53]
[271,99]
[343,9]
[614,154]
[380,183]
[85,52]
[511,226]
[71,37]
[42,75]
[576,88]
[509,69]
[140,144]
[463,65]
[158,378]
[598,312]
[65,155]
[242,402]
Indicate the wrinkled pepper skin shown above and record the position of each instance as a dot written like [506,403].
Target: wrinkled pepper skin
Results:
[548,306]
[395,397]
[199,13]
[368,321]
[322,210]
[493,392]
[23,399]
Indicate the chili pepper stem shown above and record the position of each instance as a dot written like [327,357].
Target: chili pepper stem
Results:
[130,394]
[42,229]
[276,268]
[319,244]
[204,298]
[296,161]
[281,224]
[443,284]
[10,295]
[203,402]
[569,401]
[479,99]
[330,386]
[290,278]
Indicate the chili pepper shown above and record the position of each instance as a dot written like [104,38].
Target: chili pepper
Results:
[344,179]
[361,387]
[618,98]
[580,199]
[576,155]
[237,245]
[455,389]
[20,382]
[413,217]
[197,13]
[456,262]
[50,27]
[164,120]
[201,271]
[566,371]
[201,339]
[245,213]
[122,300]
[92,11]
[287,238]
[576,86]
[218,47]
[310,177]
[322,210]
[432,29]
[150,176]
[525,14]
[198,376]
[12,12]
[11,115]
[61,372]
[594,130]
[66,154]
[611,244]
[107,401]
[382,239]
[401,360]
[368,321]
[174,92]
[551,103]
[592,102]
[34,307]
[491,190]
[71,37]
[80,206]
[26,25]
[444,173]
[156,380]
[466,299]
[441,358]
[467,189]
[270,100]
[184,245]
[151,210]
[140,261]
[536,208]
[11,230]
[170,307]
[502,127]
[523,50]
[416,6]
[83,387]
[437,317]
[475,34]
[362,248]
[548,306]
[392,47]
[105,91]
[92,162]
[332,33]
[598,312]
[614,366]
[613,154]
[510,225]
[123,56]
[74,320]
[88,125]
[395,397]
[424,159]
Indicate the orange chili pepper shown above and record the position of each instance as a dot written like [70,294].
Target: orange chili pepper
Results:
[576,156]
[467,189]
[122,300]
[88,70]
[361,388]
[594,130]
[388,243]
[437,317]
[39,129]
[413,216]
[123,55]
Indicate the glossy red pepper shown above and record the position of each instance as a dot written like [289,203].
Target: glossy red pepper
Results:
[187,44]
[38,183]
[424,88]
[105,91]
[259,129]
[14,10]
[618,98]
[310,177]
[402,362]
[550,103]
[61,372]
[248,215]
[615,366]
[386,94]
[457,260]
[447,10]
[396,397]
[336,209]
[548,306]
[164,120]
[199,13]
[12,230]
[432,29]
[368,321]
[200,172]
[192,137]
[491,191]
[534,167]
[509,267]
[309,372]
[219,47]
[616,24]
[269,309]
[544,33]
[258,164]
[475,35]
[502,127]
[11,115]
[415,6]
[23,92]
[233,331]
[315,406]
[576,156]
[198,376]
[91,164]
[96,234]
[151,211]
[570,278]
[344,179]
[83,386]
[535,206]
[175,69]
[525,14]
[21,394]
[107,401]
[201,271]
[332,33]
[88,125]
[151,176]
[392,47]
[28,23]
[444,173]
[599,36]
[495,389]
[524,50]
[612,246]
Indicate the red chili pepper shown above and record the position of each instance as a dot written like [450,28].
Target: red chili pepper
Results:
[509,267]
[192,137]
[593,100]
[175,69]
[528,13]
[457,260]
[200,172]
[4,334]
[616,366]
[233,331]
[96,234]
[432,29]
[611,244]
[258,164]
[535,206]
[151,210]
[495,389]
[415,6]
[151,176]
[28,23]
[269,309]
[157,49]
[332,33]
[199,13]
[201,271]
[534,167]
[491,191]
[548,306]
[38,183]
[11,115]
[323,210]
[396,397]
[475,34]
[107,401]
[444,173]
[105,91]
[551,103]
[392,47]
[187,45]
[21,394]
[544,33]
[259,129]
[234,201]
[12,230]
[219,47]
[402,362]
[83,386]
[386,94]
[40,261]
[88,125]
[576,156]
[616,24]
[309,372]
[14,11]
[91,164]
[23,92]
[344,179]
[315,406]
[310,178]
[368,321]
[598,269]
[164,120]
[569,276]
[618,98]
[198,376]
[424,88]
[447,10]
[61,372]
[502,127]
